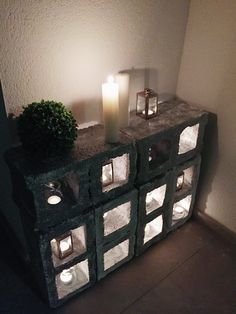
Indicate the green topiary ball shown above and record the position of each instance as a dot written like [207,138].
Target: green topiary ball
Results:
[47,129]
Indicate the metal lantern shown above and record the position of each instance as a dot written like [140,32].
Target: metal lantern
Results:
[53,193]
[107,174]
[64,245]
[180,181]
[147,104]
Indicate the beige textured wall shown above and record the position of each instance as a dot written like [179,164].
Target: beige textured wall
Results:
[208,77]
[65,49]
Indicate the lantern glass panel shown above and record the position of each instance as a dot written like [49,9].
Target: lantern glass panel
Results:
[180,181]
[121,171]
[181,209]
[68,246]
[116,218]
[147,104]
[153,228]
[116,254]
[155,199]
[72,279]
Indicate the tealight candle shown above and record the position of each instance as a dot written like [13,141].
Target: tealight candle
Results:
[179,209]
[150,112]
[54,200]
[64,246]
[110,96]
[66,276]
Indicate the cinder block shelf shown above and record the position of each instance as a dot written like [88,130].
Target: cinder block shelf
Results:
[87,214]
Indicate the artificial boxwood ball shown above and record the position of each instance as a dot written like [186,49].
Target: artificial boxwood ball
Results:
[47,129]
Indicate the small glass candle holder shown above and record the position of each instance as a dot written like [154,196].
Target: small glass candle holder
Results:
[53,193]
[180,181]
[107,174]
[147,104]
[64,245]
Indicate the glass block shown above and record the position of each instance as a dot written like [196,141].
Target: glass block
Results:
[159,153]
[71,279]
[181,209]
[153,228]
[121,170]
[75,246]
[188,139]
[155,198]
[116,218]
[116,254]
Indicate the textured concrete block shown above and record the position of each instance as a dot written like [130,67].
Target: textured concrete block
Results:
[49,193]
[75,272]
[113,167]
[153,209]
[114,254]
[181,205]
[68,183]
[116,218]
[174,136]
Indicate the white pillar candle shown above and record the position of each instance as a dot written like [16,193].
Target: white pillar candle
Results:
[123,83]
[110,98]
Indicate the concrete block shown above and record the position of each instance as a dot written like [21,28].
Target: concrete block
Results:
[182,203]
[67,276]
[114,254]
[153,209]
[172,137]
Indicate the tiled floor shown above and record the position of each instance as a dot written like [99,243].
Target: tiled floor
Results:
[192,271]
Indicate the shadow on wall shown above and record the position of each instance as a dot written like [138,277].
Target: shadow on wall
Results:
[210,161]
[88,110]
[140,79]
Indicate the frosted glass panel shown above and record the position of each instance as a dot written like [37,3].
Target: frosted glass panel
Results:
[155,198]
[121,170]
[72,278]
[181,209]
[116,254]
[188,138]
[116,218]
[153,228]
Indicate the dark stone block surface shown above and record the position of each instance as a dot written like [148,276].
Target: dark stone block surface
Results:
[152,153]
[104,249]
[51,270]
[187,190]
[154,210]
[164,131]
[79,175]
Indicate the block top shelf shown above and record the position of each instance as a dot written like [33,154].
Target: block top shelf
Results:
[91,140]
[171,114]
[89,143]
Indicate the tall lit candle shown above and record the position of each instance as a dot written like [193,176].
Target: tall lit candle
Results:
[110,98]
[123,83]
